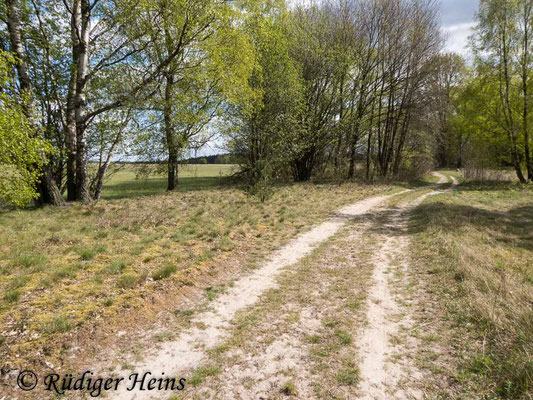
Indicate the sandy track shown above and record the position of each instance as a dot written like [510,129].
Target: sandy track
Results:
[383,378]
[210,328]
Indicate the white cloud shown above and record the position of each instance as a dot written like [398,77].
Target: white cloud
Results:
[457,37]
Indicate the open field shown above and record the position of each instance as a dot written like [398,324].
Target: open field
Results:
[124,184]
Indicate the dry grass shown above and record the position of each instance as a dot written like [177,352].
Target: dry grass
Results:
[63,269]
[474,247]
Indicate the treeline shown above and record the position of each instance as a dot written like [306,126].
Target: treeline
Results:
[214,159]
[484,120]
[341,88]
[342,82]
[492,106]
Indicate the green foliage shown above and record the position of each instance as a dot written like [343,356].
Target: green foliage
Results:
[128,281]
[201,374]
[88,253]
[348,376]
[116,267]
[503,77]
[12,295]
[263,132]
[21,154]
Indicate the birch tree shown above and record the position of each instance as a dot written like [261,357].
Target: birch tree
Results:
[503,34]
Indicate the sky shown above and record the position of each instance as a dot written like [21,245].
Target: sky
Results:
[457,18]
[457,21]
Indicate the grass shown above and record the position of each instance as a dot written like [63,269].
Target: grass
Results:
[289,389]
[58,324]
[164,272]
[348,376]
[474,246]
[201,374]
[125,184]
[92,262]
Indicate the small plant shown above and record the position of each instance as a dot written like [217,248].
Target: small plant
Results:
[116,267]
[289,389]
[344,337]
[17,282]
[313,339]
[31,262]
[88,253]
[58,324]
[206,256]
[127,281]
[213,292]
[164,336]
[348,376]
[101,235]
[202,373]
[12,295]
[164,272]
[262,183]
[180,236]
[65,272]
[225,244]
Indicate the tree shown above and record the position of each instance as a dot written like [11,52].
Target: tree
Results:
[77,54]
[49,192]
[210,70]
[505,47]
[263,132]
[443,86]
[21,152]
[317,57]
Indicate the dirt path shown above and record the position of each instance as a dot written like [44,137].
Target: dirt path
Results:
[381,373]
[379,377]
[210,328]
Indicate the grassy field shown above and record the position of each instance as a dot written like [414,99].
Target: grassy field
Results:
[67,272]
[474,251]
[124,183]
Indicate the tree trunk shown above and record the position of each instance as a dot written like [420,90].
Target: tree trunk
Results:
[353,148]
[82,175]
[97,192]
[70,126]
[303,166]
[525,72]
[507,106]
[172,171]
[47,186]
[170,134]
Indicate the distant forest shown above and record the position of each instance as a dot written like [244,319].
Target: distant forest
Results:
[213,159]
